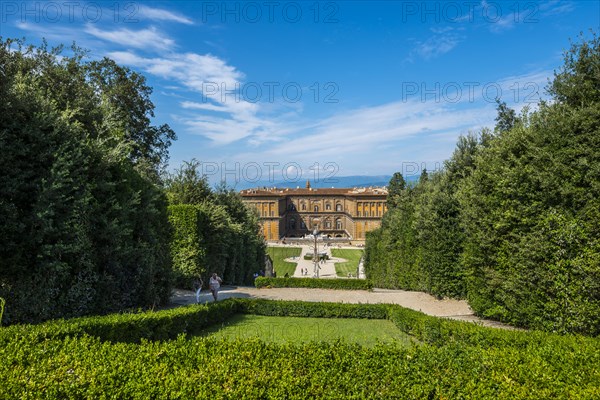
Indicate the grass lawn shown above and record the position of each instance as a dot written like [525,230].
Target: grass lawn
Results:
[278,254]
[350,266]
[366,332]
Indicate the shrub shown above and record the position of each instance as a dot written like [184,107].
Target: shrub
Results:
[112,357]
[343,284]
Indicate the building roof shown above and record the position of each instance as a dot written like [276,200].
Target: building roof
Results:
[280,192]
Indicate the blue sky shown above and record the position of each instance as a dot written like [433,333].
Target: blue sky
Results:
[299,90]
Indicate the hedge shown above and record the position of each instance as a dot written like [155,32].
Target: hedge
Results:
[344,284]
[82,358]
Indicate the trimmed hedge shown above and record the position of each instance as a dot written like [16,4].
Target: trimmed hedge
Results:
[343,284]
[314,310]
[110,357]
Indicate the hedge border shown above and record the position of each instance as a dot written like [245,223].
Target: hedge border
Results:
[340,284]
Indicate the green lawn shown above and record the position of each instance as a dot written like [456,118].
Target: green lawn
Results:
[366,332]
[350,266]
[278,254]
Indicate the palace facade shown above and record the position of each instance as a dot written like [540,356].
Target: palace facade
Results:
[337,213]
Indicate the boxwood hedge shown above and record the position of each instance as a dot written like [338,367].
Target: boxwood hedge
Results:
[345,284]
[135,356]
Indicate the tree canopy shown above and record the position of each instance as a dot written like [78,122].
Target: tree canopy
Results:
[511,223]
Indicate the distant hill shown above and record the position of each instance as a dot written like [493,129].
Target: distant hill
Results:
[335,182]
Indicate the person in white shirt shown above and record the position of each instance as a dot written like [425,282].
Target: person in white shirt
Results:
[215,283]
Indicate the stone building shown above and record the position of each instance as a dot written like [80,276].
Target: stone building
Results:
[341,213]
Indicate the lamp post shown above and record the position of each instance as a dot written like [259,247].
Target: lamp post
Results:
[316,249]
[316,258]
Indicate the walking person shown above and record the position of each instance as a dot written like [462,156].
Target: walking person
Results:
[215,283]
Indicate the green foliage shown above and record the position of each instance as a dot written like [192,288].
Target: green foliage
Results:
[187,185]
[532,251]
[207,240]
[84,225]
[214,231]
[344,284]
[506,118]
[395,189]
[577,83]
[512,220]
[146,358]
[420,242]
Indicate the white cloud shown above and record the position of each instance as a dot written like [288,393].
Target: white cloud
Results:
[140,39]
[555,7]
[440,42]
[218,85]
[416,130]
[163,15]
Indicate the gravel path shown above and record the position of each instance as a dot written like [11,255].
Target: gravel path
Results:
[448,308]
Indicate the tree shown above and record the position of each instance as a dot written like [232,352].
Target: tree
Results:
[531,251]
[187,185]
[81,226]
[395,189]
[506,118]
[423,177]
[577,82]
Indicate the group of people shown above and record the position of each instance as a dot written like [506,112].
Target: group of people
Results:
[214,284]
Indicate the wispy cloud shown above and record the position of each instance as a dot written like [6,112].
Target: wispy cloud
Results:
[158,14]
[224,116]
[415,130]
[556,7]
[139,39]
[441,41]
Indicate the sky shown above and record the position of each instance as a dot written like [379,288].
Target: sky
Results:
[295,90]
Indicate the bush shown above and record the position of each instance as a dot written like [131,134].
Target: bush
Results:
[112,357]
[343,284]
[206,239]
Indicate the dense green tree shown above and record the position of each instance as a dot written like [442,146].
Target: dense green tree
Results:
[83,231]
[187,185]
[512,220]
[396,187]
[214,230]
[577,83]
[505,119]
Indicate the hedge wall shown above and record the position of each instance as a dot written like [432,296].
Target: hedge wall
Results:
[344,284]
[207,240]
[119,356]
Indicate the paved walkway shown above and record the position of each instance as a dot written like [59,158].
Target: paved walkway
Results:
[448,308]
[326,268]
